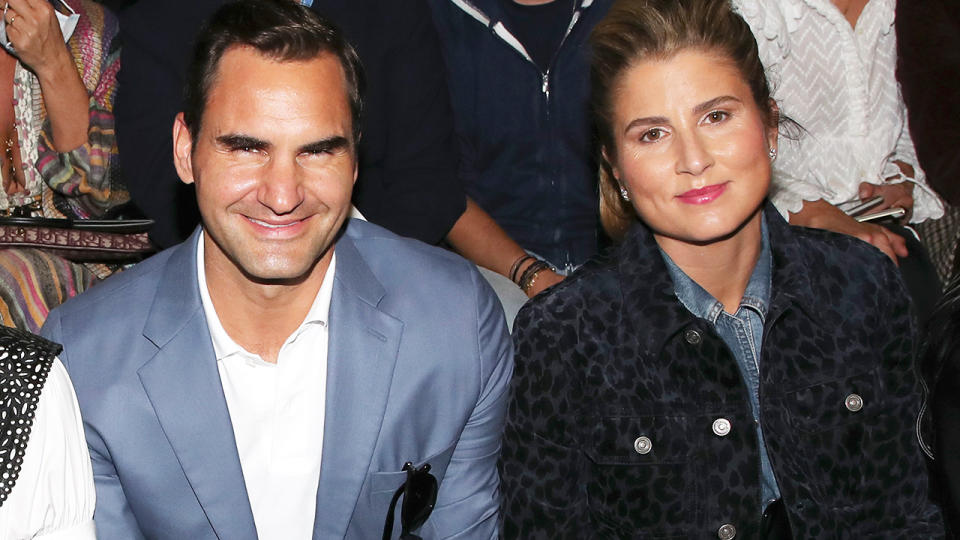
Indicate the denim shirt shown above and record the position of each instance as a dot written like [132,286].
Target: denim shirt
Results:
[743,334]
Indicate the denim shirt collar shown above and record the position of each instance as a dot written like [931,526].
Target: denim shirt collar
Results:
[702,304]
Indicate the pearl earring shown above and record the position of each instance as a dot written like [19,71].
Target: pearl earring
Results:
[624,194]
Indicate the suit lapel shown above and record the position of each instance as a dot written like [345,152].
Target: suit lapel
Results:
[183,385]
[363,348]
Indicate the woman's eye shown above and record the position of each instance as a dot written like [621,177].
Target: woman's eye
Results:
[652,135]
[717,116]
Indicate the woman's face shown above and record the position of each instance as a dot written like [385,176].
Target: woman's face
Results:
[692,147]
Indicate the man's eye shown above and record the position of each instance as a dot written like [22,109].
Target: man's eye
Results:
[652,135]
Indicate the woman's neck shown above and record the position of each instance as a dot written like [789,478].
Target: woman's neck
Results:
[851,9]
[723,268]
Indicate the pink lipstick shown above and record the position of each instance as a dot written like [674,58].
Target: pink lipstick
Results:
[703,195]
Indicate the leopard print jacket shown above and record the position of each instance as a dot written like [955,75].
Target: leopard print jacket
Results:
[629,417]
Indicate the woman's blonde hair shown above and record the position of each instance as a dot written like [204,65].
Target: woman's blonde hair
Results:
[634,31]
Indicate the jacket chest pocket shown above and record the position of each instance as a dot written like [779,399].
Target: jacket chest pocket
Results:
[841,430]
[641,477]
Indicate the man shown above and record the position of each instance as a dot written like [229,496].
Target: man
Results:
[271,376]
[408,179]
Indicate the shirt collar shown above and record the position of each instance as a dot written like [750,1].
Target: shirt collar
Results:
[702,304]
[224,345]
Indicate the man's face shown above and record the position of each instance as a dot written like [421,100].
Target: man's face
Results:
[273,164]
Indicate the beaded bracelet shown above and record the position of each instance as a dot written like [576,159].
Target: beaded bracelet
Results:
[530,274]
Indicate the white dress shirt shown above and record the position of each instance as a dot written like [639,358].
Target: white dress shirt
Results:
[277,412]
[54,496]
[839,84]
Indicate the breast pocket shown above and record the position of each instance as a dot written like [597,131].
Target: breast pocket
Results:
[387,482]
[641,477]
[844,429]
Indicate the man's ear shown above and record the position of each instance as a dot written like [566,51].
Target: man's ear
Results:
[183,150]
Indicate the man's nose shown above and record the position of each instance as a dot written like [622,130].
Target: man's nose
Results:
[281,187]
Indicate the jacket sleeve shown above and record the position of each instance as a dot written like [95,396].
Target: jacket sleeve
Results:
[544,494]
[910,504]
[112,514]
[468,503]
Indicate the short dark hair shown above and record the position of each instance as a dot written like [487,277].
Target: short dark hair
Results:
[637,30]
[282,30]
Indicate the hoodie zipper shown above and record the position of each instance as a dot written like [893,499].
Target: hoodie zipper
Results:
[501,31]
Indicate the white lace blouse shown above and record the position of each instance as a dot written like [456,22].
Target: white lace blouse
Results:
[839,84]
[54,496]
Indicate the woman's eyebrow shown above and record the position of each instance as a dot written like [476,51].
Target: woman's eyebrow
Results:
[646,121]
[709,104]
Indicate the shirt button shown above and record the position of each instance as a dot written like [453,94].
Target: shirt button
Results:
[853,402]
[693,337]
[643,445]
[721,427]
[726,532]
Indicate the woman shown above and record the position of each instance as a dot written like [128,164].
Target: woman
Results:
[719,373]
[57,144]
[833,63]
[47,489]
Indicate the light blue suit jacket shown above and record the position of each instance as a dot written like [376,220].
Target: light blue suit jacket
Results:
[419,367]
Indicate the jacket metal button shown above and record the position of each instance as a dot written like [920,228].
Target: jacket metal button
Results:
[692,336]
[721,427]
[853,402]
[726,532]
[643,445]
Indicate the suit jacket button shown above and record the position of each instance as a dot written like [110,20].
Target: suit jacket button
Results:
[726,532]
[643,445]
[721,428]
[692,336]
[853,402]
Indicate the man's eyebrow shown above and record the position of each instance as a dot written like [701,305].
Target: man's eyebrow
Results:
[709,104]
[235,141]
[329,144]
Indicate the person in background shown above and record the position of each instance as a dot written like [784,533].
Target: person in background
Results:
[719,373]
[280,375]
[928,68]
[832,66]
[58,149]
[941,366]
[46,490]
[518,78]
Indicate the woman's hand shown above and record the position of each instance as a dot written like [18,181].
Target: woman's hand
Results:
[823,215]
[894,195]
[34,32]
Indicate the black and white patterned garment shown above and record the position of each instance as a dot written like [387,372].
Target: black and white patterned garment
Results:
[25,362]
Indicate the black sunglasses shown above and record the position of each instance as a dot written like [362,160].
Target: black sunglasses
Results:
[419,495]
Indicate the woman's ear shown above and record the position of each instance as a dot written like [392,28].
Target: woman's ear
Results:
[773,129]
[610,163]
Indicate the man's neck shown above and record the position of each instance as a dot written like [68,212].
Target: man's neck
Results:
[261,316]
